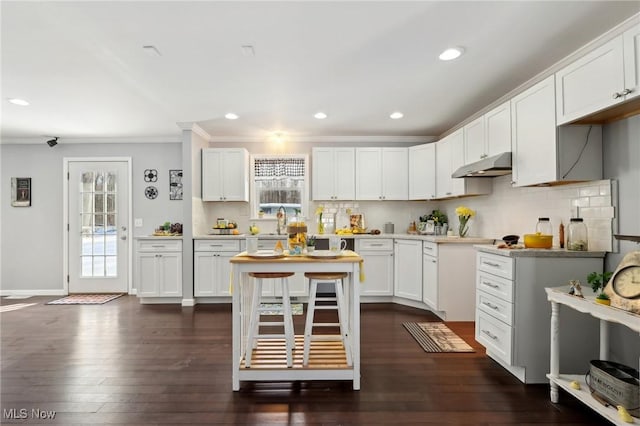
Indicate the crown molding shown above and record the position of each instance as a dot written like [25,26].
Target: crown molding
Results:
[92,140]
[195,128]
[328,139]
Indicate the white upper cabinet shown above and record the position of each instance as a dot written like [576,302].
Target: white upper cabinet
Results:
[534,134]
[497,130]
[449,157]
[333,174]
[488,135]
[631,42]
[475,148]
[444,181]
[225,174]
[544,153]
[382,174]
[602,78]
[422,172]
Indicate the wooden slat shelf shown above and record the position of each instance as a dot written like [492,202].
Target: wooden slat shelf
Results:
[271,354]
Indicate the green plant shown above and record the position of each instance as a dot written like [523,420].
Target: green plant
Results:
[436,216]
[311,241]
[598,281]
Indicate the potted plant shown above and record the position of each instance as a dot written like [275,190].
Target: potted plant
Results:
[598,281]
[311,243]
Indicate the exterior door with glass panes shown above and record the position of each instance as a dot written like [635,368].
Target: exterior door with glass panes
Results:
[98,194]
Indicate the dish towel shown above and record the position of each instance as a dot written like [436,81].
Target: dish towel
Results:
[350,253]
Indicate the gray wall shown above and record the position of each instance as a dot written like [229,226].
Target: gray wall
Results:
[622,162]
[32,237]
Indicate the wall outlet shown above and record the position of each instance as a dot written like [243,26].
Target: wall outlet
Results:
[138,222]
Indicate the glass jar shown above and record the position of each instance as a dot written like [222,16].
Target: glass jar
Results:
[577,235]
[543,226]
[297,235]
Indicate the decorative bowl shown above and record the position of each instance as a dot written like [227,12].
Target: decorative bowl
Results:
[538,241]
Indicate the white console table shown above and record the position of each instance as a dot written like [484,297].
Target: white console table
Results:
[558,296]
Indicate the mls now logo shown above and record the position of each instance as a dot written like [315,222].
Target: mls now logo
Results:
[23,413]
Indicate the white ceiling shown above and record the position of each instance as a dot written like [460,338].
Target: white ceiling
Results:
[82,67]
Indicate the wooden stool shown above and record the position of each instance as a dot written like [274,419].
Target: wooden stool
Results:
[336,278]
[256,311]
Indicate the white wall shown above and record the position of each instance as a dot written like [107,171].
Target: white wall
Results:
[32,237]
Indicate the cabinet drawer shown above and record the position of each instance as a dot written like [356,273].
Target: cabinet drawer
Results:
[216,245]
[496,286]
[375,244]
[159,245]
[430,248]
[494,335]
[495,307]
[498,265]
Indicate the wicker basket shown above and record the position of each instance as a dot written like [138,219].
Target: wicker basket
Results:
[616,384]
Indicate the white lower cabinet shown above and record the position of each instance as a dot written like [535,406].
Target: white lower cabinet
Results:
[159,267]
[407,270]
[513,315]
[378,266]
[448,280]
[211,267]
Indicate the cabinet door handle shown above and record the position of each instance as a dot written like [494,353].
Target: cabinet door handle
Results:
[490,284]
[491,305]
[215,245]
[434,261]
[157,246]
[625,92]
[376,245]
[495,265]
[491,335]
[617,95]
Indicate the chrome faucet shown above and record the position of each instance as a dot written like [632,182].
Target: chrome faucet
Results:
[281,215]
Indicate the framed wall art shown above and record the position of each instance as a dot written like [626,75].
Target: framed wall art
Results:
[20,192]
[175,184]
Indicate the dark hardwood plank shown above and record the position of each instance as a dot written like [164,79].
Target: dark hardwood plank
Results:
[125,363]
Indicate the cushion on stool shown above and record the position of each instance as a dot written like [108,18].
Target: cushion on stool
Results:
[325,275]
[270,274]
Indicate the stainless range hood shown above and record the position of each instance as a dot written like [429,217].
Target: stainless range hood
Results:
[497,165]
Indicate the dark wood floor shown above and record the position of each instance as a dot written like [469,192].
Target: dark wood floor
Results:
[123,363]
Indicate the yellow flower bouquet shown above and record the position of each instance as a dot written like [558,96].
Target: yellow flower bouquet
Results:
[319,212]
[464,214]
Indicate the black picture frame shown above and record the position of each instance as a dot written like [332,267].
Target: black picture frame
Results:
[175,184]
[21,192]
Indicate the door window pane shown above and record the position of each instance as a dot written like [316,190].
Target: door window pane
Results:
[98,231]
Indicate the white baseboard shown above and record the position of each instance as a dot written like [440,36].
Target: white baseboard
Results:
[41,292]
[188,302]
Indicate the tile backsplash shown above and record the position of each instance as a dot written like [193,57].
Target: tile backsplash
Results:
[509,210]
[506,210]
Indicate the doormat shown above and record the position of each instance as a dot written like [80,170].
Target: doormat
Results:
[15,307]
[296,308]
[436,337]
[85,299]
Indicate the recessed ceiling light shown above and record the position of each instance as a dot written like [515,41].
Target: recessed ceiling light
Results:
[20,102]
[396,115]
[231,116]
[451,53]
[320,115]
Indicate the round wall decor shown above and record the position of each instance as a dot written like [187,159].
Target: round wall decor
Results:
[151,192]
[150,175]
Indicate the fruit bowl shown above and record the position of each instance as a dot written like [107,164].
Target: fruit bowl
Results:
[538,241]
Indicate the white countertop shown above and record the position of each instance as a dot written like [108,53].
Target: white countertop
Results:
[531,252]
[439,239]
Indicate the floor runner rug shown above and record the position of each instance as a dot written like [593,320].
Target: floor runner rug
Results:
[85,299]
[296,308]
[436,337]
